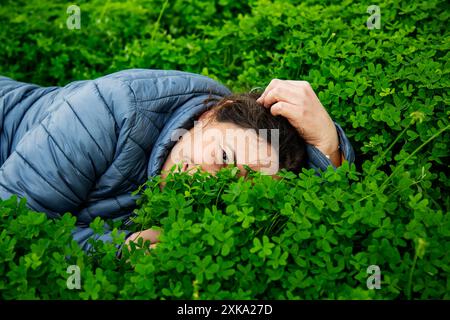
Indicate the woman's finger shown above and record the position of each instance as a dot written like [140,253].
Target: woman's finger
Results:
[299,85]
[292,112]
[286,92]
[273,83]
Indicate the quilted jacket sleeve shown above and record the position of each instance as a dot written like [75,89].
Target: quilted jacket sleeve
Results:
[57,162]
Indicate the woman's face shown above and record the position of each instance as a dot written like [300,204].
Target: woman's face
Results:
[213,145]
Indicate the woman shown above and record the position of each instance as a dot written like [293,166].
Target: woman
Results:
[84,148]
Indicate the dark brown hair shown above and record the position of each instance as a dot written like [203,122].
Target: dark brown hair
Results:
[243,110]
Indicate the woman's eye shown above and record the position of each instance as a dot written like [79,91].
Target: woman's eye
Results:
[224,156]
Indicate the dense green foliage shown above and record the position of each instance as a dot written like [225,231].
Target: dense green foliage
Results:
[301,237]
[226,237]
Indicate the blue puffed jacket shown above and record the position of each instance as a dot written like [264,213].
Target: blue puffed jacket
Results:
[85,147]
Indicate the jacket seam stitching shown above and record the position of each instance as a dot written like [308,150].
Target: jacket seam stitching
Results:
[25,95]
[146,110]
[149,118]
[175,95]
[104,102]
[70,161]
[90,135]
[142,148]
[123,176]
[42,177]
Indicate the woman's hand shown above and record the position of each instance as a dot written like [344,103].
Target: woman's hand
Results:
[297,101]
[149,234]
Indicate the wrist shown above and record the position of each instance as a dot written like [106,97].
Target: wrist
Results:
[332,152]
[329,148]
